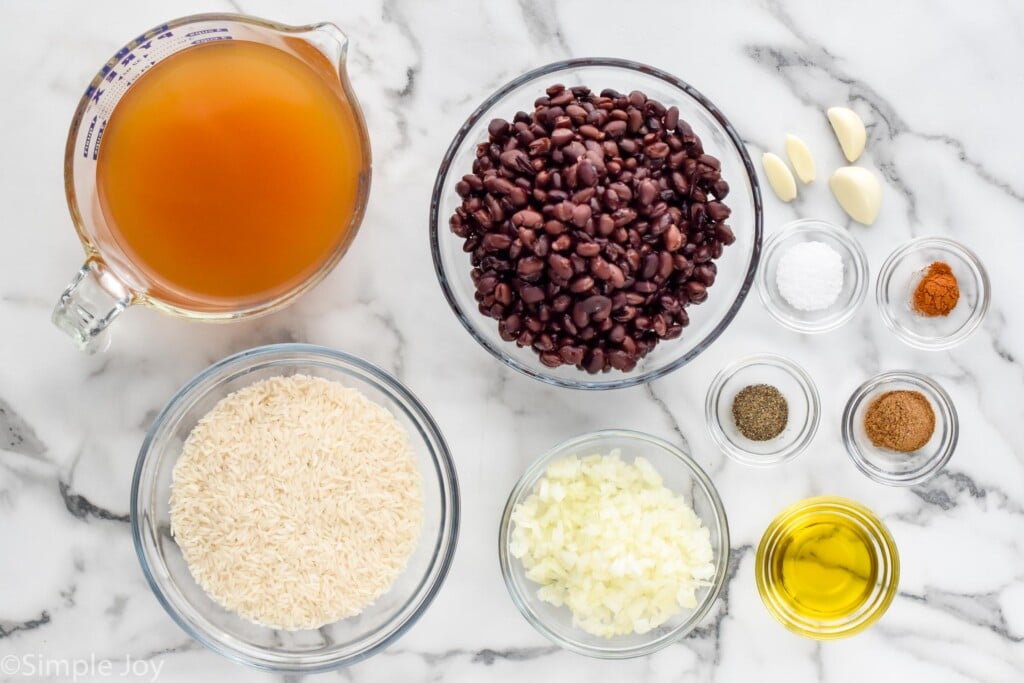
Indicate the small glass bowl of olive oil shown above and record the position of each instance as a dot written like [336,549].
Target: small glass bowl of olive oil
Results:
[827,568]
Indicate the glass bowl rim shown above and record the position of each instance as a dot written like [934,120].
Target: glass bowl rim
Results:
[868,520]
[978,313]
[459,140]
[530,477]
[440,456]
[860,268]
[810,427]
[946,412]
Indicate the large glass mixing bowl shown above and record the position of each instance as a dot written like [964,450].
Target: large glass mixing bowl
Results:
[736,267]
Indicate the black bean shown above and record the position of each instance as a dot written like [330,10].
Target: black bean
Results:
[673,238]
[587,173]
[560,137]
[580,215]
[561,243]
[622,217]
[571,355]
[496,241]
[595,361]
[650,266]
[527,218]
[647,191]
[600,268]
[615,129]
[666,264]
[540,146]
[617,279]
[597,306]
[560,266]
[672,118]
[657,150]
[717,211]
[576,113]
[724,234]
[530,268]
[503,294]
[705,273]
[696,291]
[554,227]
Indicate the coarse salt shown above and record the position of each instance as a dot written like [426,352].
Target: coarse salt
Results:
[810,276]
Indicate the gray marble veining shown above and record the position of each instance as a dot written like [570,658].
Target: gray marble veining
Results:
[939,87]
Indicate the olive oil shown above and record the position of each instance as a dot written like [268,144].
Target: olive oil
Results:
[827,567]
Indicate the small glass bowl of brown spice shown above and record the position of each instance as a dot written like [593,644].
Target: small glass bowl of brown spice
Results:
[762,410]
[900,428]
[932,293]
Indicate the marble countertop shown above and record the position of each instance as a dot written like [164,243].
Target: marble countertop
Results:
[941,90]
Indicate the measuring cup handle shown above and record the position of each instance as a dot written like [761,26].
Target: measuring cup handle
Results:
[89,304]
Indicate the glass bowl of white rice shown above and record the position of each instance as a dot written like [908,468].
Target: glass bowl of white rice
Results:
[614,544]
[234,529]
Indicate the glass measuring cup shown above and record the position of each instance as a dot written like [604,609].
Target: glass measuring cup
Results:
[112,279]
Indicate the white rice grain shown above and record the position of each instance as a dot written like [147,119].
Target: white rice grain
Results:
[296,502]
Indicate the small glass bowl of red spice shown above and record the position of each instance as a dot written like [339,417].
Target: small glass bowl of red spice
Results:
[900,428]
[932,293]
[762,410]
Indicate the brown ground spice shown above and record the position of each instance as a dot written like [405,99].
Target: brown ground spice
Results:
[900,421]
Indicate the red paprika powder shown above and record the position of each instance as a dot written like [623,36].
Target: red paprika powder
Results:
[938,292]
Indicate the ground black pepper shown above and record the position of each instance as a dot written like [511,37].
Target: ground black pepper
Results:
[760,412]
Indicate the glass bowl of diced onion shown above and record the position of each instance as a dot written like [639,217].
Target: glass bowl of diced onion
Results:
[663,607]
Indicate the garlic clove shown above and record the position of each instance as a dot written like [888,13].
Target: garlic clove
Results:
[779,177]
[858,191]
[849,131]
[800,157]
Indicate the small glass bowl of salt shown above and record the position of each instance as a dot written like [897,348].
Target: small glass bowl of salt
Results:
[813,276]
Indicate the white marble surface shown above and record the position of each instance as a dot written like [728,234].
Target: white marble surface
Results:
[941,88]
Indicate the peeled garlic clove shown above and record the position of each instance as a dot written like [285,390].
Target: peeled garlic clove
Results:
[800,157]
[779,176]
[858,192]
[849,131]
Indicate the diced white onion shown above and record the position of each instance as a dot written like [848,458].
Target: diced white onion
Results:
[608,540]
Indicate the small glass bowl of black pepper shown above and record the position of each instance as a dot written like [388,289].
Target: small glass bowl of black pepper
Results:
[900,466]
[848,296]
[901,275]
[744,415]
[581,299]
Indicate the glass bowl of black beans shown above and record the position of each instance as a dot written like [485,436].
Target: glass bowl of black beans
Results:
[596,223]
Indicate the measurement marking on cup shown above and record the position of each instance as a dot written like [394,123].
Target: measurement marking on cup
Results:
[99,137]
[88,137]
[205,31]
